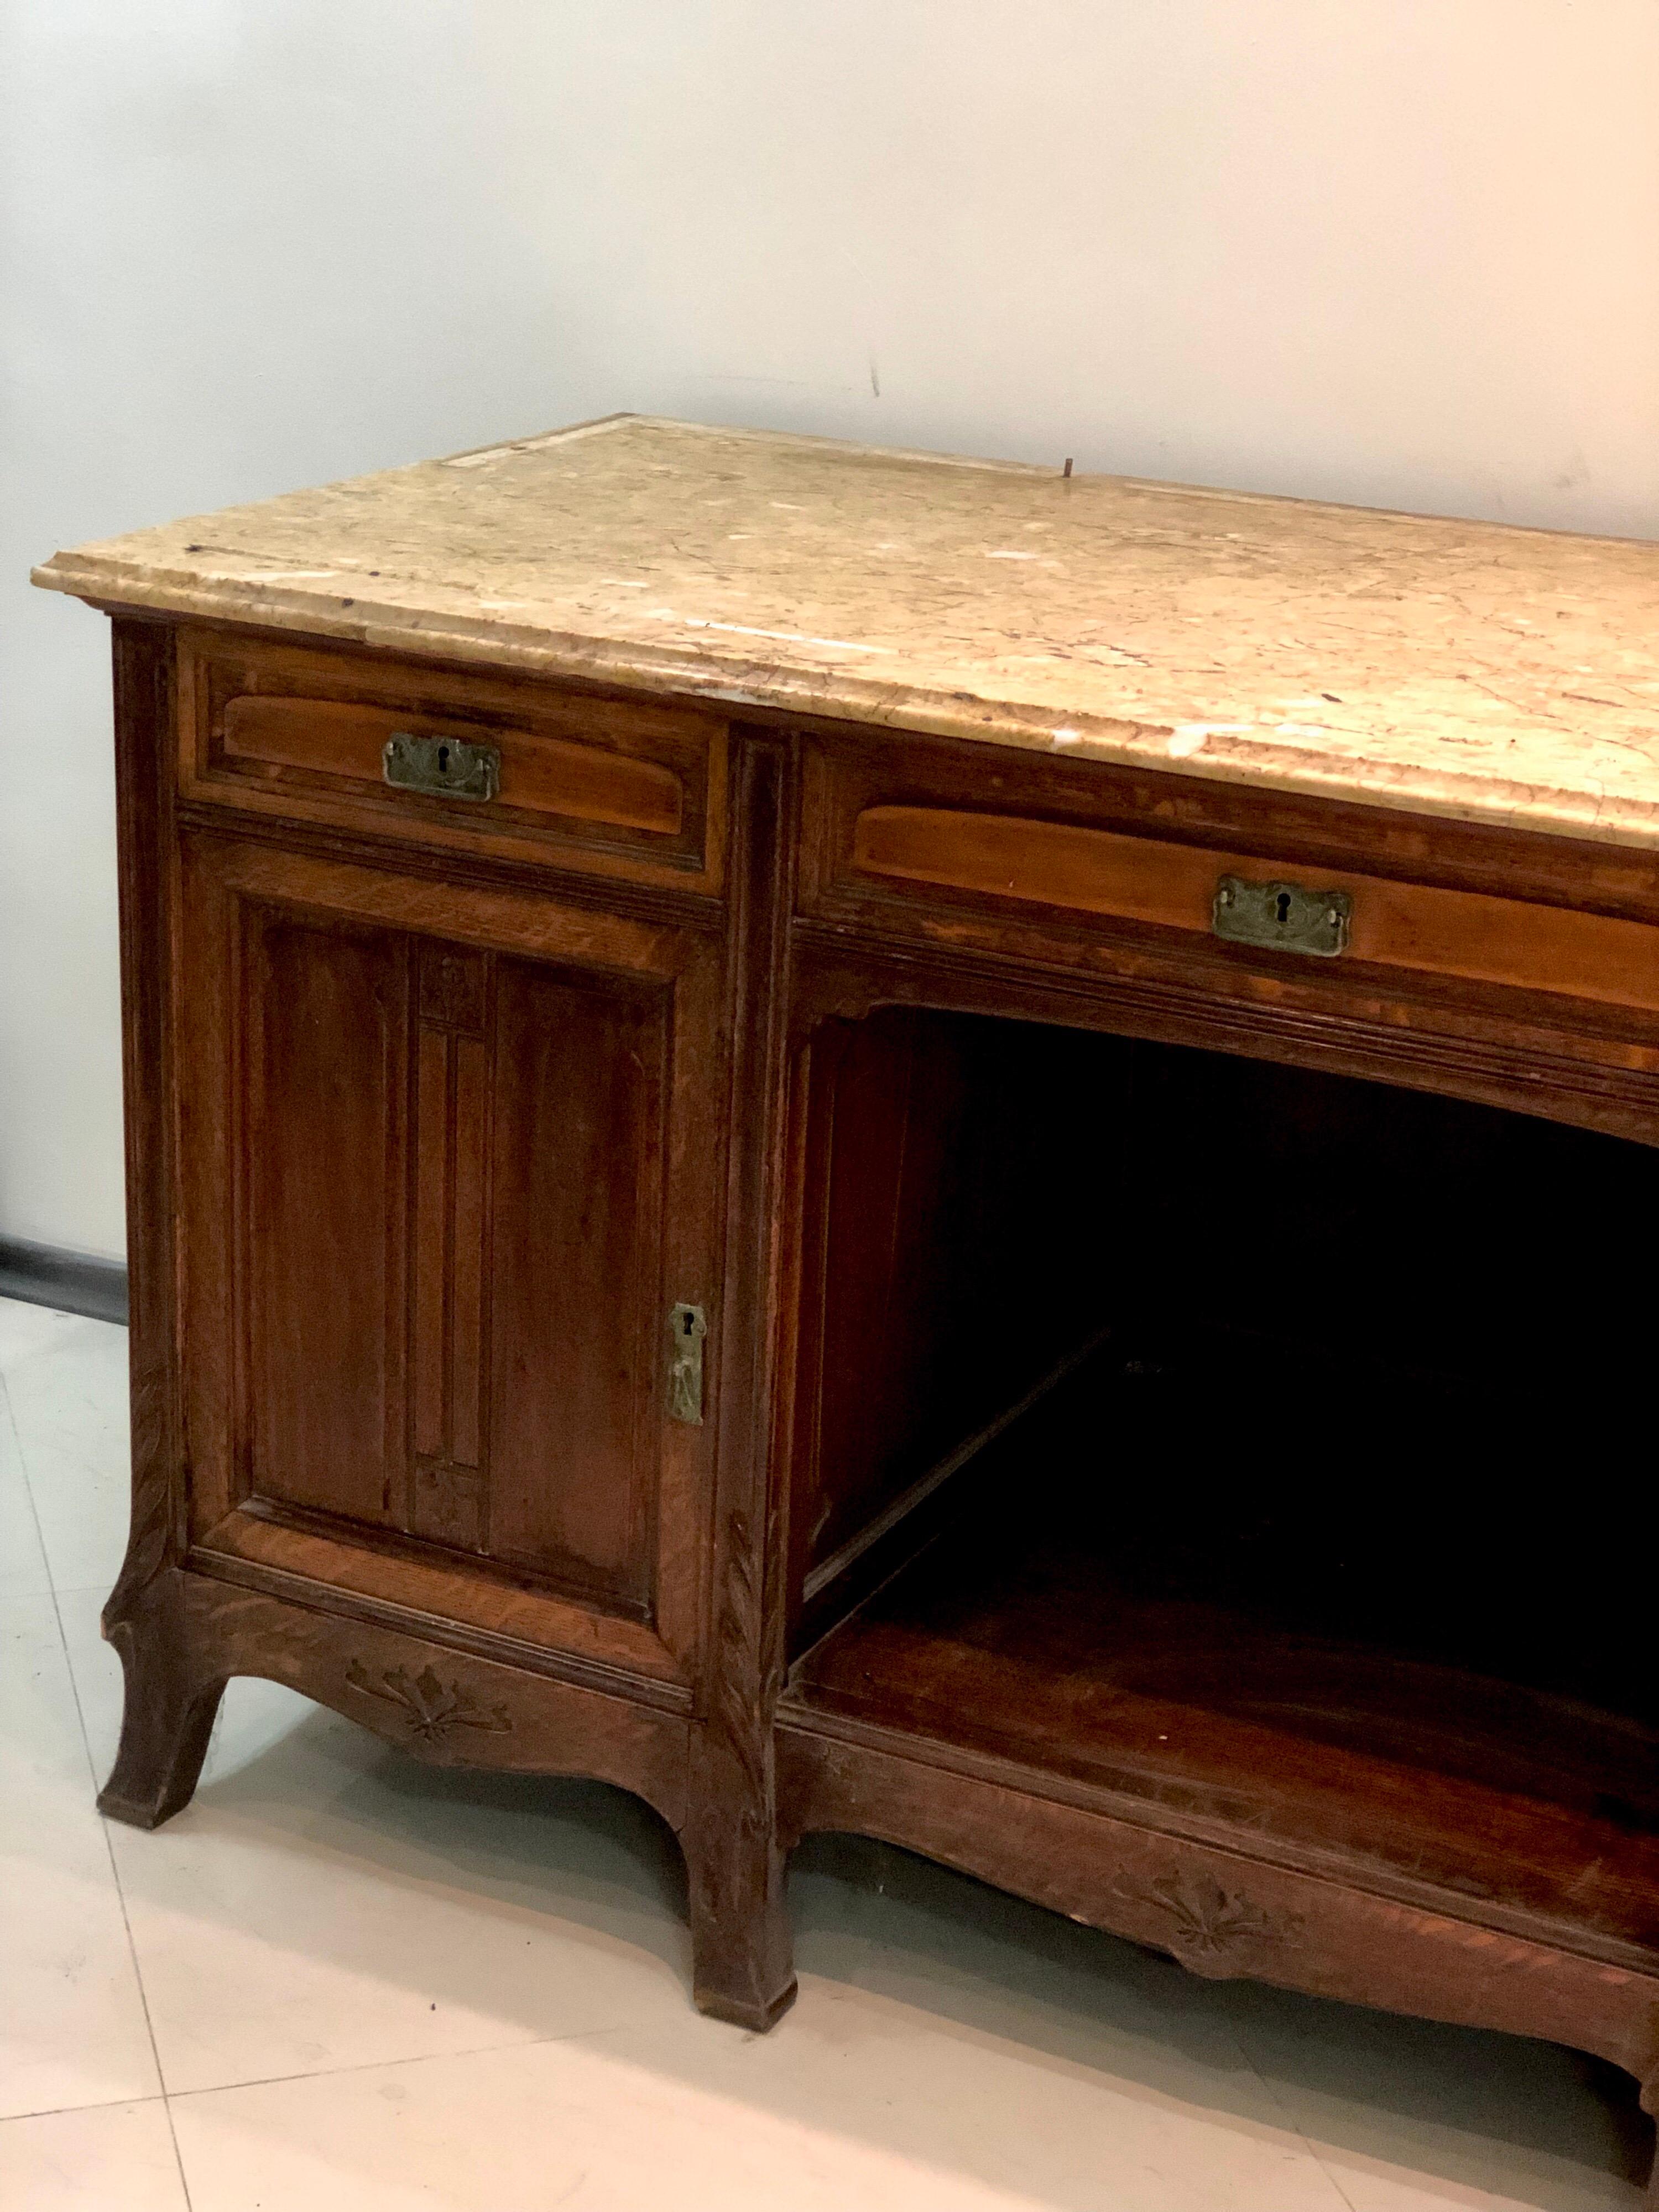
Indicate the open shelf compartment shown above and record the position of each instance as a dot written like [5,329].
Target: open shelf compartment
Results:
[1328,1542]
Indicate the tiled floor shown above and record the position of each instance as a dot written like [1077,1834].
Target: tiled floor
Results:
[341,1979]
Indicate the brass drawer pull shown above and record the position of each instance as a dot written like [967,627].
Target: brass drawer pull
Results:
[1285,917]
[448,767]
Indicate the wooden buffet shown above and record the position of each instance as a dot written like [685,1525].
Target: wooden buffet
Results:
[871,1142]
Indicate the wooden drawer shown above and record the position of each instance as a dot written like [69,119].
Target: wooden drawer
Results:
[636,792]
[938,849]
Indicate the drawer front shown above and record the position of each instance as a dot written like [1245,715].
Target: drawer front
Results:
[940,850]
[636,792]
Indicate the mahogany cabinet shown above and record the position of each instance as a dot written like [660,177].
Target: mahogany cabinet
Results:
[1073,1311]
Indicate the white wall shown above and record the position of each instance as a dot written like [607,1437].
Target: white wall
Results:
[1395,250]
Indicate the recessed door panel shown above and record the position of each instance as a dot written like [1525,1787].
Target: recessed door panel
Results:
[575,1270]
[326,1053]
[451,1164]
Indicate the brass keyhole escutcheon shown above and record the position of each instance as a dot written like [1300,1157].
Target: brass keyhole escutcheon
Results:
[447,768]
[687,1328]
[1283,917]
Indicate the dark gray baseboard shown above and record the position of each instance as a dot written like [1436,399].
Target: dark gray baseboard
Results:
[45,1275]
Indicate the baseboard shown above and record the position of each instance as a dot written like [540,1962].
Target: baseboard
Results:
[46,1275]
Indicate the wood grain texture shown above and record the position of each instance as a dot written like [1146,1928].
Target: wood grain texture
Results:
[466,1139]
[743,1964]
[466,1603]
[143,670]
[171,1702]
[1416,1037]
[168,1709]
[1413,926]
[322,1139]
[577,1275]
[951,1255]
[450,1708]
[1220,1914]
[434,1202]
[539,774]
[450,1248]
[847,772]
[471,1241]
[428,1130]
[1112,1676]
[634,791]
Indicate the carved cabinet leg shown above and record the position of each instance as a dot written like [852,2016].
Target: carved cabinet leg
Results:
[743,1967]
[168,1716]
[741,1949]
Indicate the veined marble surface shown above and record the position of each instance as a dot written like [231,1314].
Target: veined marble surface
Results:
[1450,667]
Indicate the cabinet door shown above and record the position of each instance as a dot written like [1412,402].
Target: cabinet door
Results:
[451,1161]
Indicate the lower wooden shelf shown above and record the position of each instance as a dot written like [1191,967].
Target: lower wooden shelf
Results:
[1270,1706]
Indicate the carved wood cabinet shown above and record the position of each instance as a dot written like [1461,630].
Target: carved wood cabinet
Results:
[855,1188]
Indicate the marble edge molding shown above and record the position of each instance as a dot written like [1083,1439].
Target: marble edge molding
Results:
[117,576]
[735,682]
[477,456]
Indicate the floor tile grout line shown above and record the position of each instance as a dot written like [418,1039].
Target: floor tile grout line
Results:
[178,2155]
[51,1589]
[91,1776]
[91,2104]
[375,2065]
[10,1421]
[165,2096]
[1291,2122]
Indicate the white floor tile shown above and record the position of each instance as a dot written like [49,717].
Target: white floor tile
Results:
[1010,2119]
[867,2106]
[72,2028]
[109,2157]
[1406,2115]
[97,1673]
[22,1560]
[68,1389]
[475,1989]
[27,1329]
[327,1902]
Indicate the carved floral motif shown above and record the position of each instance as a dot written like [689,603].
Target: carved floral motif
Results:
[744,1695]
[431,1707]
[1207,1921]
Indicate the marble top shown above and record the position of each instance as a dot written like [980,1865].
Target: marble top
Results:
[1456,668]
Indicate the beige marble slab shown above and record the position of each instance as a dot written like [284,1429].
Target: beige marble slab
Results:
[1456,668]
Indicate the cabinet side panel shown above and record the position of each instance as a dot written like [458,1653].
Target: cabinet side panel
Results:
[575,1273]
[143,669]
[325,1074]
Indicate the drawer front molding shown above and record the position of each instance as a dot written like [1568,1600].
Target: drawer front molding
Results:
[1067,865]
[632,791]
[534,773]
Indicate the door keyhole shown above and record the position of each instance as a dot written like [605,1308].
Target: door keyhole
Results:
[443,760]
[1282,905]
